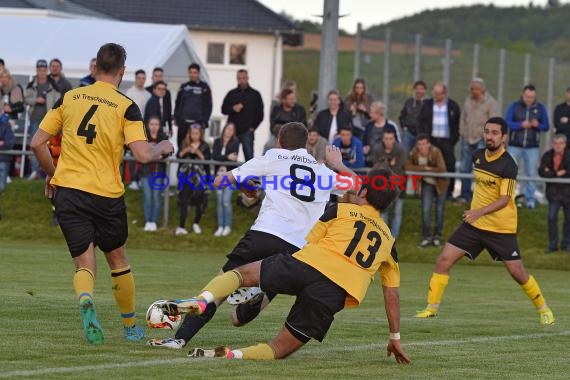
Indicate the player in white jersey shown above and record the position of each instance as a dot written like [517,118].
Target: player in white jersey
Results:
[297,189]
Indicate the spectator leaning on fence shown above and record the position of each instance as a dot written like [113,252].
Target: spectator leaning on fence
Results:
[562,116]
[526,119]
[193,103]
[55,73]
[428,158]
[226,148]
[358,103]
[375,129]
[334,118]
[41,95]
[6,143]
[479,107]
[12,96]
[410,115]
[350,149]
[316,145]
[439,119]
[555,163]
[393,156]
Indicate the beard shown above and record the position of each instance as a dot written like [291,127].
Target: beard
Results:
[490,145]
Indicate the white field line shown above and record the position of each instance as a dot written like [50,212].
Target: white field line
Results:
[314,349]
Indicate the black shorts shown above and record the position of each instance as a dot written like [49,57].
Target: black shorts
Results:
[255,246]
[87,218]
[501,247]
[318,298]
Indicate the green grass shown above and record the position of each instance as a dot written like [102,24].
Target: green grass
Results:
[487,327]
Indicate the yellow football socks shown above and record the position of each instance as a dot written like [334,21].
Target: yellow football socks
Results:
[533,292]
[223,285]
[83,283]
[437,285]
[124,292]
[261,351]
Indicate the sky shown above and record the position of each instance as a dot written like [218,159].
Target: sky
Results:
[373,12]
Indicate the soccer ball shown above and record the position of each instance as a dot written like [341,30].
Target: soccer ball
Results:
[155,318]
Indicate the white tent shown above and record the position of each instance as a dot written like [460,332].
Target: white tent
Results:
[76,40]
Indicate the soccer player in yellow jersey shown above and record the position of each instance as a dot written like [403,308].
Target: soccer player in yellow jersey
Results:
[96,122]
[344,250]
[490,224]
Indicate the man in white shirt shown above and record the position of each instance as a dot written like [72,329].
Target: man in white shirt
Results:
[297,189]
[138,93]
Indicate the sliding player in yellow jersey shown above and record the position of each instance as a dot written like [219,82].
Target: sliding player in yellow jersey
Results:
[490,224]
[96,122]
[345,248]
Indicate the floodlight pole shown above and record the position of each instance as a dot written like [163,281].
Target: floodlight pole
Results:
[328,66]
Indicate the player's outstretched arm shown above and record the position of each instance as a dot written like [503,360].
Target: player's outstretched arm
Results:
[145,152]
[392,305]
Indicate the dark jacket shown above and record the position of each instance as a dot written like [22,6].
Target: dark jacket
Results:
[324,120]
[145,170]
[232,147]
[562,110]
[87,80]
[193,103]
[63,85]
[453,115]
[351,152]
[555,191]
[410,115]
[152,108]
[7,136]
[205,149]
[167,96]
[251,115]
[279,116]
[519,112]
[15,99]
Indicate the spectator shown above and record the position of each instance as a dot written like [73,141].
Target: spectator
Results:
[426,157]
[6,143]
[479,107]
[2,64]
[410,115]
[275,103]
[562,116]
[55,67]
[358,103]
[151,194]
[439,119]
[316,145]
[158,76]
[526,118]
[89,79]
[193,148]
[54,145]
[41,95]
[350,148]
[226,148]
[193,103]
[331,120]
[138,93]
[393,156]
[288,111]
[157,105]
[12,96]
[555,163]
[375,128]
[244,108]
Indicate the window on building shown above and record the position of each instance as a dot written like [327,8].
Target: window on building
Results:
[215,52]
[237,54]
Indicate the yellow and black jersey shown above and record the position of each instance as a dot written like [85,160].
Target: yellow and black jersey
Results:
[495,177]
[349,244]
[96,122]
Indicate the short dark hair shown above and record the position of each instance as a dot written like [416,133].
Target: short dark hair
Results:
[529,87]
[285,93]
[140,71]
[293,135]
[55,60]
[390,131]
[312,129]
[111,58]
[158,83]
[380,195]
[239,71]
[422,136]
[420,83]
[502,122]
[158,69]
[194,66]
[2,62]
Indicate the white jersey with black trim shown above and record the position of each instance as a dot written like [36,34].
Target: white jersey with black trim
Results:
[297,189]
